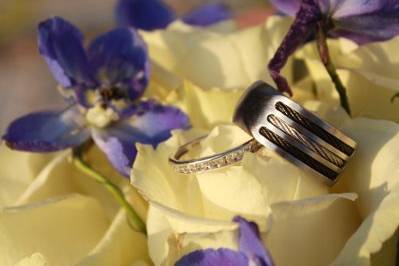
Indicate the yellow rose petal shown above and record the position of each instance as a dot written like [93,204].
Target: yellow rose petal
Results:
[373,174]
[311,231]
[165,185]
[36,259]
[227,60]
[379,226]
[63,230]
[206,108]
[169,229]
[369,73]
[61,177]
[373,171]
[120,246]
[253,185]
[17,171]
[54,180]
[247,188]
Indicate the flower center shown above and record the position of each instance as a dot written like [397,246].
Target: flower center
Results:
[101,117]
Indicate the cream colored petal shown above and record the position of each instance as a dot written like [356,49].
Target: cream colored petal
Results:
[54,180]
[373,171]
[370,74]
[370,98]
[172,234]
[63,230]
[373,174]
[252,186]
[247,188]
[206,108]
[227,60]
[36,259]
[155,179]
[388,253]
[61,177]
[377,228]
[17,171]
[120,246]
[311,231]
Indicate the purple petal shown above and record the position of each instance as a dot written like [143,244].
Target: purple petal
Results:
[363,23]
[121,62]
[118,146]
[150,123]
[250,243]
[289,7]
[212,257]
[308,15]
[350,8]
[144,14]
[60,43]
[47,131]
[208,14]
[155,121]
[367,29]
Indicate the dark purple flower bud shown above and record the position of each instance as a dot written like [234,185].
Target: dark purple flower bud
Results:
[144,14]
[155,14]
[208,15]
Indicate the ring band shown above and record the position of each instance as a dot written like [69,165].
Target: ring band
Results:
[295,133]
[219,160]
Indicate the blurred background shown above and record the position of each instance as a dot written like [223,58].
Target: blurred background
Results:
[25,83]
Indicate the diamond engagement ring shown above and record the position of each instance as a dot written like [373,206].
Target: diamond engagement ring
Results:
[293,132]
[219,160]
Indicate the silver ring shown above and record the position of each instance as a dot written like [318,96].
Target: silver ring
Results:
[295,133]
[219,160]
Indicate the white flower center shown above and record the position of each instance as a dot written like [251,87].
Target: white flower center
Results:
[100,117]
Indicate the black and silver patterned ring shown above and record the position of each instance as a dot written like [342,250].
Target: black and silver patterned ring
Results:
[295,133]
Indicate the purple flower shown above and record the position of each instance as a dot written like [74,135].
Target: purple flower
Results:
[362,21]
[251,250]
[102,85]
[155,14]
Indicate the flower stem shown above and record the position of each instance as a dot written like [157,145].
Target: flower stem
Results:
[324,54]
[134,220]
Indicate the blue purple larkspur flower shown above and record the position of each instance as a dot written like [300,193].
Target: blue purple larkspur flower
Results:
[155,14]
[251,250]
[362,21]
[102,85]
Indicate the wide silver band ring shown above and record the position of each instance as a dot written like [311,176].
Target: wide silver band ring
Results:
[219,160]
[293,132]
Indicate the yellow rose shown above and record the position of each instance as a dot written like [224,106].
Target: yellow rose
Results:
[226,59]
[52,214]
[369,72]
[302,221]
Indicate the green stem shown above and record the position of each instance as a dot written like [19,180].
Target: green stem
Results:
[331,69]
[134,220]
